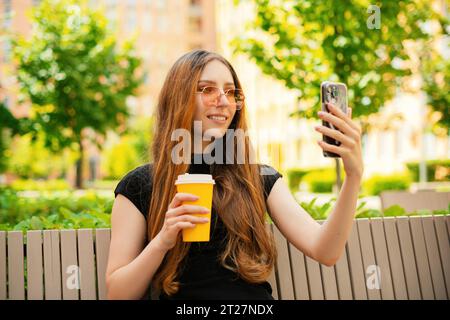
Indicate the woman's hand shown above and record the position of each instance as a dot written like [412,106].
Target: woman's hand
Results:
[178,217]
[349,134]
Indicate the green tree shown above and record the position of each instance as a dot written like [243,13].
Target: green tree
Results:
[9,127]
[75,74]
[435,71]
[305,42]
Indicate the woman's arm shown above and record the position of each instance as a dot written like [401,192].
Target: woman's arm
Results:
[130,266]
[324,243]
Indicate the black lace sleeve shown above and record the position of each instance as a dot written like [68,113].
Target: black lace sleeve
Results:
[269,176]
[136,185]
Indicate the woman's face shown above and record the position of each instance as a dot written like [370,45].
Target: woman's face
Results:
[217,115]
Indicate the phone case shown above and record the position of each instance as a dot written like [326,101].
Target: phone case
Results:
[335,93]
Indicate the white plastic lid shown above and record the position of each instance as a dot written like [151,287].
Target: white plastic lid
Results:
[194,178]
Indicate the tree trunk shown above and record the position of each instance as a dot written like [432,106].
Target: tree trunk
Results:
[79,168]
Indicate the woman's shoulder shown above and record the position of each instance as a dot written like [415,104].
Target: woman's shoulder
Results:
[269,176]
[136,185]
[140,174]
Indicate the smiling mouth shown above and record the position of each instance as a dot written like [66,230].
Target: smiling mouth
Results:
[217,118]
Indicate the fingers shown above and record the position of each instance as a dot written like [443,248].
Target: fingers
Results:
[338,122]
[185,209]
[329,147]
[337,135]
[183,225]
[341,119]
[185,218]
[180,197]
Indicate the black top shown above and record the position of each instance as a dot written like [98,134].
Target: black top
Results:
[202,277]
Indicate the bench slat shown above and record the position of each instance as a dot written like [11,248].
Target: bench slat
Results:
[356,265]
[273,283]
[379,243]
[420,250]
[35,281]
[15,266]
[69,262]
[444,249]
[87,264]
[328,277]
[329,283]
[437,274]
[286,290]
[272,277]
[314,279]
[368,254]
[299,273]
[2,265]
[52,265]
[343,280]
[447,218]
[409,262]
[395,259]
[102,240]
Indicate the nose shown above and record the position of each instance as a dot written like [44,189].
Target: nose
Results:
[223,101]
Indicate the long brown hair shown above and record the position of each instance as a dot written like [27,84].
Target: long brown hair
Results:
[238,194]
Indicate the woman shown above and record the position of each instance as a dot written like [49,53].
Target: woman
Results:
[148,214]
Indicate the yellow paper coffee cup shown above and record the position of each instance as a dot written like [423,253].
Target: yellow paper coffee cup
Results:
[202,186]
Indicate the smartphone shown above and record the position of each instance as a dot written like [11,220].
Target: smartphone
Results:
[336,94]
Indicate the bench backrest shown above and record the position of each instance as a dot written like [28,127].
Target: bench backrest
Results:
[384,258]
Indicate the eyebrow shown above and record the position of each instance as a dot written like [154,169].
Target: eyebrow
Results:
[213,82]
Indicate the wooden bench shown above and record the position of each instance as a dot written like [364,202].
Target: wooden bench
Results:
[412,255]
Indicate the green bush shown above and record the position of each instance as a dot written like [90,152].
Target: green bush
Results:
[102,184]
[377,183]
[40,185]
[295,176]
[432,166]
[321,180]
[321,212]
[53,210]
[33,160]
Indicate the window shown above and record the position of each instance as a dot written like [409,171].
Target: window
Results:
[7,13]
[6,50]
[162,23]
[147,20]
